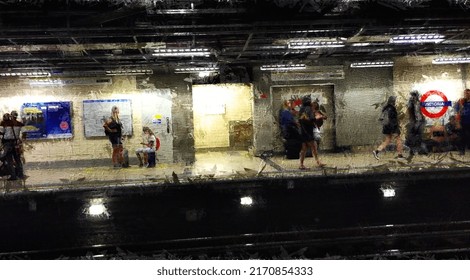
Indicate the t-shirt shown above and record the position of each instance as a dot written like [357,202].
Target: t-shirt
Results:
[152,140]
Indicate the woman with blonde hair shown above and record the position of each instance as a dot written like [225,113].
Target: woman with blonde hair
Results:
[113,129]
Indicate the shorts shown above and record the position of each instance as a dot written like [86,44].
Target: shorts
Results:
[145,150]
[115,140]
[387,129]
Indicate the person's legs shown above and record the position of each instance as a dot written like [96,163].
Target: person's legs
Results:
[18,163]
[399,144]
[139,157]
[120,154]
[10,160]
[313,145]
[385,143]
[303,152]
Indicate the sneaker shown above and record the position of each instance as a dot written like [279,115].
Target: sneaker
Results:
[376,154]
[400,157]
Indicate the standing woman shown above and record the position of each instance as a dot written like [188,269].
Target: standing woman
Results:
[307,123]
[390,129]
[320,117]
[113,128]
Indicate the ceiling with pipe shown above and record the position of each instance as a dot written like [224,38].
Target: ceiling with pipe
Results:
[94,36]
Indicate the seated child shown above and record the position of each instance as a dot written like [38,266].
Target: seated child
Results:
[148,146]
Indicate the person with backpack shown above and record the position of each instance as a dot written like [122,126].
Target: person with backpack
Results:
[149,146]
[390,128]
[416,123]
[113,129]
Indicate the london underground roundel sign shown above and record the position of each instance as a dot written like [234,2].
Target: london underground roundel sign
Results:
[436,106]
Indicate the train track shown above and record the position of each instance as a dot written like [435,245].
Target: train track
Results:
[406,241]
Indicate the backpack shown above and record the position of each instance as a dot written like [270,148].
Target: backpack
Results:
[157,144]
[384,117]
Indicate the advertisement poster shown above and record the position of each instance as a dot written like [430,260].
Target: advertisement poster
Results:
[47,120]
[95,113]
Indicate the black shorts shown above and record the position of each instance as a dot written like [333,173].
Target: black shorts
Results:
[115,140]
[391,129]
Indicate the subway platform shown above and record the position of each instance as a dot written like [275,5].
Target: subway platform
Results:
[227,165]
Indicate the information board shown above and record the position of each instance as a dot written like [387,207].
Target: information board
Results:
[47,120]
[95,112]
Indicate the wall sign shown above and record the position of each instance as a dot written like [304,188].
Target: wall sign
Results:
[47,120]
[437,106]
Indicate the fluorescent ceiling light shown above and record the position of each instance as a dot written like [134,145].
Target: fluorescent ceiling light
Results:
[47,82]
[196,69]
[282,67]
[450,60]
[129,72]
[314,44]
[39,73]
[182,52]
[417,38]
[368,64]
[361,44]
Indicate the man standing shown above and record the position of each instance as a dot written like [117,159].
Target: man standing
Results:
[463,112]
[11,129]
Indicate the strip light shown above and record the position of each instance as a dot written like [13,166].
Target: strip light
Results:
[182,52]
[451,60]
[26,74]
[369,64]
[196,69]
[282,67]
[129,72]
[417,38]
[316,44]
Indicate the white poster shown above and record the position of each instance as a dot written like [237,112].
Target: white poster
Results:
[95,112]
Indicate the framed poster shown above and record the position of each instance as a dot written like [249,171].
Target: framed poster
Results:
[95,113]
[47,120]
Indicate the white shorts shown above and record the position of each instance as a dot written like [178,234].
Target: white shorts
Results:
[145,150]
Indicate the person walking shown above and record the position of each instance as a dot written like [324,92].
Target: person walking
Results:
[307,124]
[390,129]
[463,115]
[113,129]
[415,127]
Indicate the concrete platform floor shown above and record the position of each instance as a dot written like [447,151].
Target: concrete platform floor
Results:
[227,165]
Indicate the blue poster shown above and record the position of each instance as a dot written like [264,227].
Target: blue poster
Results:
[47,120]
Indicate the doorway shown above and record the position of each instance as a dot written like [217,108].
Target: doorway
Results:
[323,93]
[223,116]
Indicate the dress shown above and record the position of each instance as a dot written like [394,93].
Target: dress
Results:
[307,123]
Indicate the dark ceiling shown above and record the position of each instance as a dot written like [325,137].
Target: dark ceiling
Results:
[72,36]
